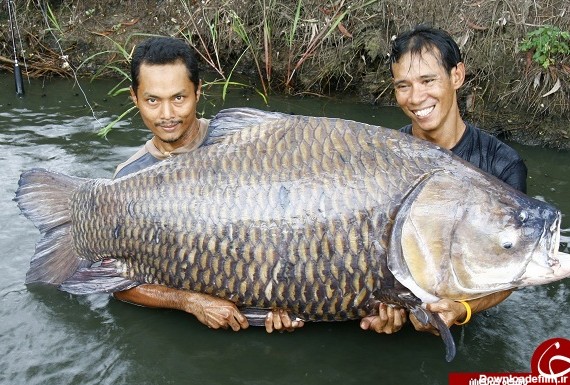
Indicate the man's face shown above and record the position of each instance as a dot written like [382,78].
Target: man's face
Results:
[166,99]
[427,93]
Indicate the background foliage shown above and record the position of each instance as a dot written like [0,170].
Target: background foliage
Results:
[321,47]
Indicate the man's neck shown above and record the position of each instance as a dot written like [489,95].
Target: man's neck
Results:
[446,137]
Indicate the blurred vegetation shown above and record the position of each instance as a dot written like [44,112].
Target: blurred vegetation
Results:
[518,79]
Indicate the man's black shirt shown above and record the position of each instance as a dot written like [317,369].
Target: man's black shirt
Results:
[490,155]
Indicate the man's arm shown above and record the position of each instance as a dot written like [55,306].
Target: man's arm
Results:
[452,311]
[212,311]
[515,175]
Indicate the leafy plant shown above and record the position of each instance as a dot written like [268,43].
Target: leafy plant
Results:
[118,66]
[241,30]
[209,44]
[548,44]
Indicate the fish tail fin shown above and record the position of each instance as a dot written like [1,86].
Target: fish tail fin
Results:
[43,197]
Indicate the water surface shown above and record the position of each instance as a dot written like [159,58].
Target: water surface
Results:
[50,337]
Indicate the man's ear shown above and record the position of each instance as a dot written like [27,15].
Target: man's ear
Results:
[458,75]
[133,96]
[199,91]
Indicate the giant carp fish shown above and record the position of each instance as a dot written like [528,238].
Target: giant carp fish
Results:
[323,217]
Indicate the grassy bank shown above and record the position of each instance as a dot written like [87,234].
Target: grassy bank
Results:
[518,83]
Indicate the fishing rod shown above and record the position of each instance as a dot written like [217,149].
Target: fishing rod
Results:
[17,71]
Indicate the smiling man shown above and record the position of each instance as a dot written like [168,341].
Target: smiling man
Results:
[427,70]
[166,89]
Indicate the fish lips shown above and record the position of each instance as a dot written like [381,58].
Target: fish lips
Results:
[552,266]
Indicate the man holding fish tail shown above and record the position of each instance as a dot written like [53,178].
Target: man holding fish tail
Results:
[427,70]
[166,89]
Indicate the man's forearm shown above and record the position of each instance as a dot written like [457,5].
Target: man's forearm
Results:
[484,303]
[158,296]
[211,311]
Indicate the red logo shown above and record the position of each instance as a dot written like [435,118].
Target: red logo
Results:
[550,364]
[551,359]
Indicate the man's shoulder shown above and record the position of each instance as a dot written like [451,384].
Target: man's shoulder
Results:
[139,160]
[407,129]
[492,155]
[490,143]
[148,154]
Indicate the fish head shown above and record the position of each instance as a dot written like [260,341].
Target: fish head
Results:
[467,237]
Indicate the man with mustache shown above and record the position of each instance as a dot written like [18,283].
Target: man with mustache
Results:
[166,89]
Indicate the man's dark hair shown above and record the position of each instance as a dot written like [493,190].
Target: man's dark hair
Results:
[432,39]
[164,50]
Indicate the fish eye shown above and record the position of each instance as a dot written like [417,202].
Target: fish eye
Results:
[523,216]
[507,245]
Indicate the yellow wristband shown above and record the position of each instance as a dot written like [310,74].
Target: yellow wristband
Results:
[468,316]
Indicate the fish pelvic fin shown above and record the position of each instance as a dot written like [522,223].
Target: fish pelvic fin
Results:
[256,316]
[100,278]
[43,197]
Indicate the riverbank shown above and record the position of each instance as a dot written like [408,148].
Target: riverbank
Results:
[314,47]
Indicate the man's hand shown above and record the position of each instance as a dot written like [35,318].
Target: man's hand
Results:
[389,320]
[449,311]
[212,311]
[452,311]
[279,320]
[215,312]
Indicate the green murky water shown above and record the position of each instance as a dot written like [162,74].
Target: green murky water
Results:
[49,337]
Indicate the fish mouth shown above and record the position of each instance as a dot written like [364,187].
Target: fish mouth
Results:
[549,267]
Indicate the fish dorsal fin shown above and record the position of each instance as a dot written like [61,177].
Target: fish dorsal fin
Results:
[231,120]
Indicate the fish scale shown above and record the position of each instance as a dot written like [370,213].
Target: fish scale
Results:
[257,214]
[309,154]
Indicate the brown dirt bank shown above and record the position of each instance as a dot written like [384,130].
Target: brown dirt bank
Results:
[315,46]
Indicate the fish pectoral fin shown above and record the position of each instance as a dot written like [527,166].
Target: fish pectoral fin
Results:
[421,314]
[104,278]
[427,317]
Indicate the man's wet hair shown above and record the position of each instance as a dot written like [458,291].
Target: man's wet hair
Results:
[164,50]
[423,37]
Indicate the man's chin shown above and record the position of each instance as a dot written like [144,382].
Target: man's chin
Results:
[424,125]
[169,138]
